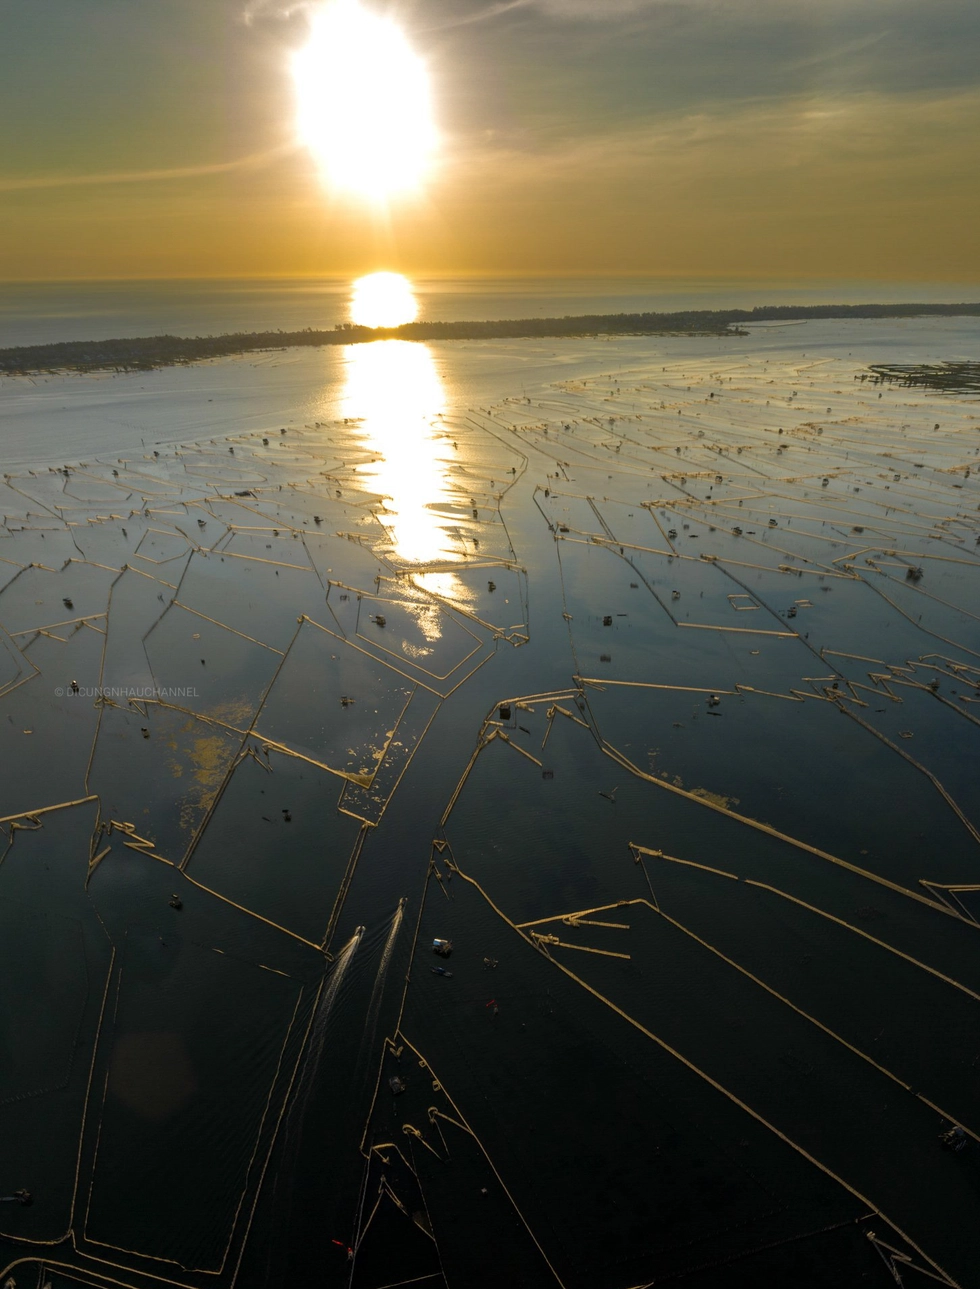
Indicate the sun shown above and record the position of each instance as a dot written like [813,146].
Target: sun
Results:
[364,103]
[382,300]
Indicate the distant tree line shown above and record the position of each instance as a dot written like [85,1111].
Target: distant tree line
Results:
[145,353]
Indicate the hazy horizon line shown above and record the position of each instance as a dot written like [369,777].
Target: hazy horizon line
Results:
[500,274]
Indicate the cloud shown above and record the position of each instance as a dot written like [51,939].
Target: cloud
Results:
[849,185]
[865,138]
[597,11]
[589,10]
[256,9]
[592,11]
[255,161]
[483,15]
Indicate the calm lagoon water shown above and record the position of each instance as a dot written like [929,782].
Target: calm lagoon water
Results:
[645,671]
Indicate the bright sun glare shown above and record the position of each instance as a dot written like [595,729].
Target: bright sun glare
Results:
[363,102]
[382,300]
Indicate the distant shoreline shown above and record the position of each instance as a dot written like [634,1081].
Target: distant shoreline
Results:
[147,353]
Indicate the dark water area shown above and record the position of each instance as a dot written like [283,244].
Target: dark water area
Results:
[645,672]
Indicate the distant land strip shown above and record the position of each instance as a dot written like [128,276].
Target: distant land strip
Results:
[145,353]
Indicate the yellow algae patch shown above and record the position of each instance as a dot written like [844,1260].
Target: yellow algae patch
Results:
[204,753]
[364,776]
[237,712]
[209,756]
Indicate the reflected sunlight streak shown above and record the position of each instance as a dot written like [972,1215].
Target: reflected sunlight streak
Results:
[393,389]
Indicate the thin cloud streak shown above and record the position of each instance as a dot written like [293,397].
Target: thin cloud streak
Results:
[839,53]
[857,130]
[286,9]
[589,11]
[482,15]
[596,11]
[274,9]
[255,161]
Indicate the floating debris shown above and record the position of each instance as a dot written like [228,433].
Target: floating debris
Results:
[955,1139]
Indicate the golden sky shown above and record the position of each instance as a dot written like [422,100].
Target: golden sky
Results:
[690,137]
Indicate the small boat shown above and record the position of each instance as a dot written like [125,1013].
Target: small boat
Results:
[441,971]
[442,947]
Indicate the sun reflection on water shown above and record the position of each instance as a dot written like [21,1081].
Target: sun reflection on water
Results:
[392,388]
